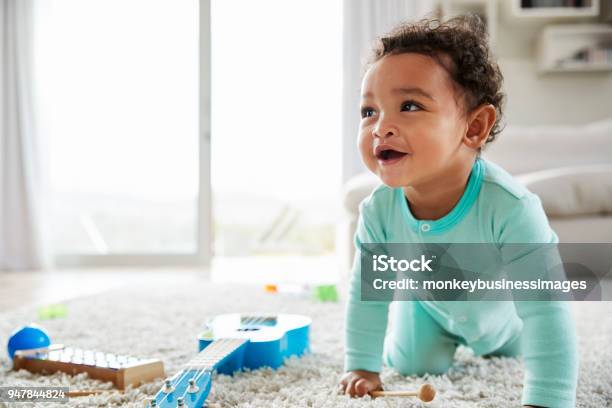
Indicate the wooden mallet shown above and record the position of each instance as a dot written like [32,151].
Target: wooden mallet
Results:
[426,393]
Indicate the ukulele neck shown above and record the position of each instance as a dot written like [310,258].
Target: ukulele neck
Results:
[212,355]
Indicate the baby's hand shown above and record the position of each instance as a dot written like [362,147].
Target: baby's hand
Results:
[360,382]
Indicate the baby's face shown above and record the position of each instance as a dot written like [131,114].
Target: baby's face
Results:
[412,123]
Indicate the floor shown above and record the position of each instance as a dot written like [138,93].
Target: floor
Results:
[21,289]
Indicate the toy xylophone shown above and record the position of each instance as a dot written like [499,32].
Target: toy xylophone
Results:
[119,369]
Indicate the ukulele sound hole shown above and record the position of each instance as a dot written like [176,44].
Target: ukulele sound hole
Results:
[258,320]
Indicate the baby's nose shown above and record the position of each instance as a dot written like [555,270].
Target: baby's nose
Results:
[384,132]
[385,128]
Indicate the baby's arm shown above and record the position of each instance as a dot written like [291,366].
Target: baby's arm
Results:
[548,340]
[549,350]
[365,323]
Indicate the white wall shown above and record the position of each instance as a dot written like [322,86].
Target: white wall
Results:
[560,98]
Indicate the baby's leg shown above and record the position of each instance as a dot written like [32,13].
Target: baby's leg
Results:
[512,348]
[416,343]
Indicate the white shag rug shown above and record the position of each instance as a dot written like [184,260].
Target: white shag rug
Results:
[163,323]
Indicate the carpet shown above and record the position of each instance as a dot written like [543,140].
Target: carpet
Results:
[151,321]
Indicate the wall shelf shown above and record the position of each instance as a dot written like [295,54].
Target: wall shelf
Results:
[553,37]
[590,10]
[558,46]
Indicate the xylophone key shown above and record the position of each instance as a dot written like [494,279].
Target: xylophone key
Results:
[54,355]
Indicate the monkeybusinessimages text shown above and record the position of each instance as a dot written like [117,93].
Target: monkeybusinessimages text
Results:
[384,263]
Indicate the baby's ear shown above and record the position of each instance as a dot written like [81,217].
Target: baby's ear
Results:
[481,120]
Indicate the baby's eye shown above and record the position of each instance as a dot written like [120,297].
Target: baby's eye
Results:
[367,112]
[410,106]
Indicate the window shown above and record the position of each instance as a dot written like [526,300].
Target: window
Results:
[276,123]
[117,103]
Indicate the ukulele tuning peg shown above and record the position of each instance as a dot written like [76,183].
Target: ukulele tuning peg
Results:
[192,386]
[168,388]
[180,402]
[153,403]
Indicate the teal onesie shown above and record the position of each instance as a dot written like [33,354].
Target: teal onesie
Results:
[423,335]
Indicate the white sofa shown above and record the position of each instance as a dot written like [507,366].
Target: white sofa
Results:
[569,167]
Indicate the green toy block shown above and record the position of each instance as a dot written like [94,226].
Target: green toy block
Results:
[52,312]
[325,293]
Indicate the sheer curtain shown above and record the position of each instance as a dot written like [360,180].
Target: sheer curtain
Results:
[364,20]
[20,237]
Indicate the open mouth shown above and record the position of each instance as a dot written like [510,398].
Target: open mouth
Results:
[390,155]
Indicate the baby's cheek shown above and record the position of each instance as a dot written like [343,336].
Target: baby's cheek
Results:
[430,148]
[365,145]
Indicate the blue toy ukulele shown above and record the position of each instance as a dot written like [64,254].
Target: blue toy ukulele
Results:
[229,343]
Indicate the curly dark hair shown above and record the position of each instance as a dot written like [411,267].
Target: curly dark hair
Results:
[464,41]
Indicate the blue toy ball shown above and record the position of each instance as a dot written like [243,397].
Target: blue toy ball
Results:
[27,337]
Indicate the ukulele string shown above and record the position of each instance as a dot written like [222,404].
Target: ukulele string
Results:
[201,371]
[225,349]
[180,379]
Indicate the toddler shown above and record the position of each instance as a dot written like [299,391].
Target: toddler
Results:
[431,99]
